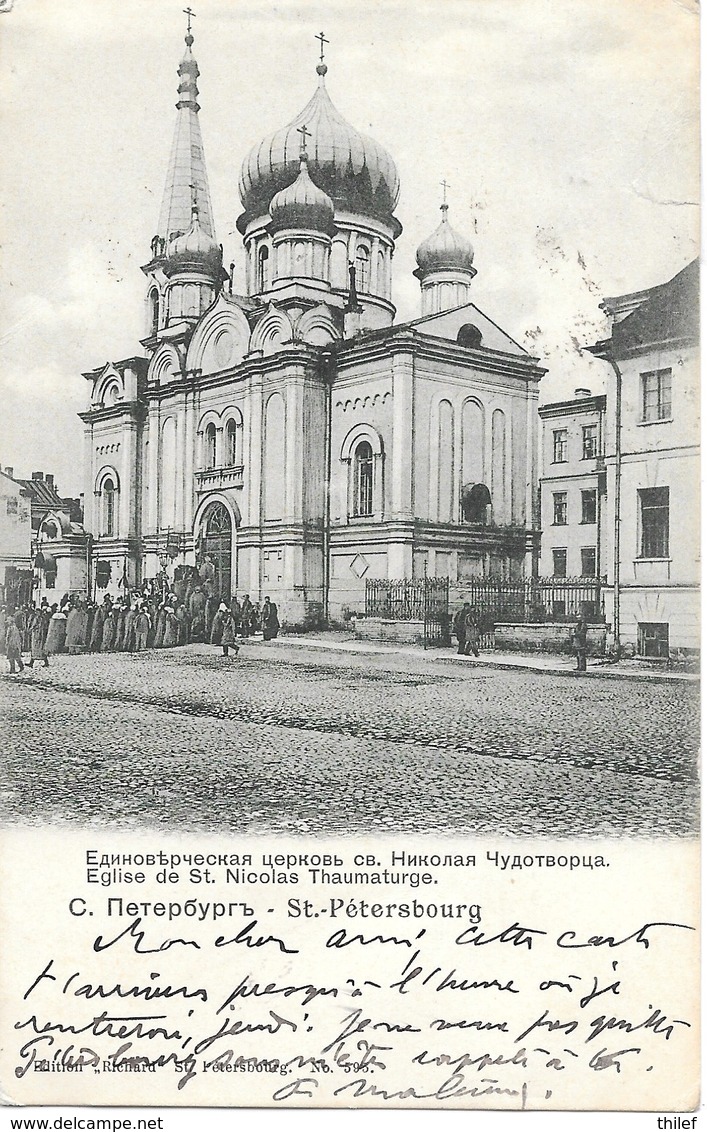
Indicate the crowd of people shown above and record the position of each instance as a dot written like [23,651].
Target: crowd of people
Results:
[155,615]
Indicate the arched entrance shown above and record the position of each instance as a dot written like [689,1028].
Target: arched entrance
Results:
[215,543]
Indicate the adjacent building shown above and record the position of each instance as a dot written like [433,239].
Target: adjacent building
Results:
[573,487]
[295,435]
[652,439]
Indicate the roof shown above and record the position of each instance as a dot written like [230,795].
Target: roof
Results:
[42,493]
[661,315]
[186,173]
[447,324]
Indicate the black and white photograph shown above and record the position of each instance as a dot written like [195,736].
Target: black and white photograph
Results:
[350,555]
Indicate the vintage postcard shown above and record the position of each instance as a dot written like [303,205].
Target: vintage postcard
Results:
[349,556]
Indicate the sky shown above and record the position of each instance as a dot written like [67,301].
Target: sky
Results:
[567,131]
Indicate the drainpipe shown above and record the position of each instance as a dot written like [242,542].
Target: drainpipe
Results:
[327,374]
[617,501]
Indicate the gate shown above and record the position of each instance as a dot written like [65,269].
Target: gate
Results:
[412,599]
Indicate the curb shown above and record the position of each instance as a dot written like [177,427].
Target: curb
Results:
[601,673]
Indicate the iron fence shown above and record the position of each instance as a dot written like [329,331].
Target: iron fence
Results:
[412,599]
[536,600]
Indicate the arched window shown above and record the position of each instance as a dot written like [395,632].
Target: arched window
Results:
[363,268]
[108,508]
[210,446]
[363,479]
[263,268]
[232,444]
[154,311]
[469,336]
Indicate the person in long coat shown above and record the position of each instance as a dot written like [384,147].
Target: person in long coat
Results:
[109,627]
[459,626]
[228,630]
[99,617]
[271,622]
[579,643]
[13,645]
[142,628]
[160,626]
[183,619]
[217,624]
[171,628]
[57,632]
[76,623]
[197,604]
[246,617]
[128,642]
[38,638]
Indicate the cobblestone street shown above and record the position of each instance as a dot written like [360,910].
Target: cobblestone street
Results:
[290,739]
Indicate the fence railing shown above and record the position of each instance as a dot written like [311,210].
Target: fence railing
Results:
[531,600]
[536,600]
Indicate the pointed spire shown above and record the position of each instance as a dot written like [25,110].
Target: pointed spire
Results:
[187,182]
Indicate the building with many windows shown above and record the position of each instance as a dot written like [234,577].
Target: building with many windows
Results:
[573,487]
[295,435]
[652,465]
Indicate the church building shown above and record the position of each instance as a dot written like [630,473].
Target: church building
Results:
[296,434]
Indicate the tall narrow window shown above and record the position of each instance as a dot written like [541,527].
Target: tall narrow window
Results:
[231,443]
[656,395]
[263,268]
[654,503]
[559,446]
[109,508]
[363,479]
[210,446]
[589,561]
[559,562]
[589,506]
[363,269]
[589,441]
[154,312]
[559,508]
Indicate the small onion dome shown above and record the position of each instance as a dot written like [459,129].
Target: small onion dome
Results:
[357,172]
[302,205]
[194,250]
[444,250]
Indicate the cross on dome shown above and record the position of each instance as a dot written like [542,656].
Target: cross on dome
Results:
[321,66]
[304,132]
[189,14]
[445,185]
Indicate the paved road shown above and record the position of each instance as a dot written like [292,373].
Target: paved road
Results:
[287,738]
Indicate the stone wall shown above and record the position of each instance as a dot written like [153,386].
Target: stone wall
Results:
[551,637]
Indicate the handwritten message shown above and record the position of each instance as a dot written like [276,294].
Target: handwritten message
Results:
[488,990]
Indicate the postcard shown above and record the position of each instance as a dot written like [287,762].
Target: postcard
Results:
[349,564]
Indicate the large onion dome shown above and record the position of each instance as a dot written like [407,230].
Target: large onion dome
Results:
[444,250]
[354,170]
[194,250]
[302,205]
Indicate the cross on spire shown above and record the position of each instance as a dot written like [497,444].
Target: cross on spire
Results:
[189,14]
[322,41]
[445,185]
[304,132]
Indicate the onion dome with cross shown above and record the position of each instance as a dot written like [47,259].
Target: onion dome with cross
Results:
[302,205]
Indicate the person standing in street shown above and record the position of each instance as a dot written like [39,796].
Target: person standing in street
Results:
[13,645]
[228,630]
[579,643]
[459,626]
[271,622]
[472,633]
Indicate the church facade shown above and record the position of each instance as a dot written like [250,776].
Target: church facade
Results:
[296,435]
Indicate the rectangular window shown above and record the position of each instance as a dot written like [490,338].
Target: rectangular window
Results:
[654,506]
[12,506]
[653,638]
[559,508]
[559,563]
[559,446]
[589,506]
[656,395]
[589,441]
[589,561]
